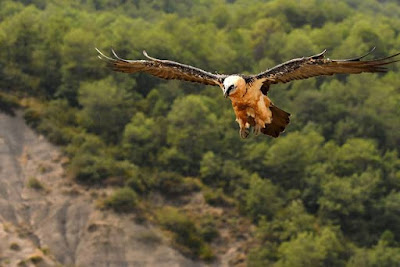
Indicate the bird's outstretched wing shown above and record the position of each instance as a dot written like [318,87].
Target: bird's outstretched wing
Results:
[306,67]
[165,69]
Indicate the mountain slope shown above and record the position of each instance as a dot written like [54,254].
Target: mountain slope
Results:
[46,219]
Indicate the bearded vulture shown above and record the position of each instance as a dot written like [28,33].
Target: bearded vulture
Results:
[248,93]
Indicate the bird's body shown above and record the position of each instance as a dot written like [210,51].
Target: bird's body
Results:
[248,94]
[251,106]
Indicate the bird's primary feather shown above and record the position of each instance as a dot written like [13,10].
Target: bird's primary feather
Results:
[306,67]
[165,69]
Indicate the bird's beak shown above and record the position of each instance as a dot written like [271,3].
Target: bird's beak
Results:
[226,93]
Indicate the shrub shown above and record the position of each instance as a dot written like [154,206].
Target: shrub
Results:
[32,117]
[36,259]
[35,184]
[58,122]
[89,168]
[45,250]
[173,184]
[122,200]
[15,246]
[85,143]
[93,162]
[169,183]
[8,103]
[136,184]
[218,198]
[208,229]
[206,253]
[190,184]
[22,263]
[186,235]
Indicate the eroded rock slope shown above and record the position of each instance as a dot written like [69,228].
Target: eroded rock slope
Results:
[46,220]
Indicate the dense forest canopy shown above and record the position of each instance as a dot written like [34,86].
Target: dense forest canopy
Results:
[326,193]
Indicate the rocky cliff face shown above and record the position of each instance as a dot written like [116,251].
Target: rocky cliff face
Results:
[46,220]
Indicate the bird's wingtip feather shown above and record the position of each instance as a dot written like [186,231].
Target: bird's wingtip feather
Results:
[113,52]
[101,55]
[145,54]
[320,55]
[149,57]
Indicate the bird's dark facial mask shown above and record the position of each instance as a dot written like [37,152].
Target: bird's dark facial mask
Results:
[229,90]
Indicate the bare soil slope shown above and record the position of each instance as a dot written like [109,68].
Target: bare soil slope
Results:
[45,220]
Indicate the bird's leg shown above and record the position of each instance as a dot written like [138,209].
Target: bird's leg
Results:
[263,114]
[244,133]
[244,128]
[259,124]
[257,129]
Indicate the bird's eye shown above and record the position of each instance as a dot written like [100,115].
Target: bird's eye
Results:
[230,87]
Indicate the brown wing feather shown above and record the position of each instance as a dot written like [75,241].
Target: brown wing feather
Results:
[165,69]
[306,67]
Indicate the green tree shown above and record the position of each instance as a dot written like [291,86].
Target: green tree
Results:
[323,249]
[261,192]
[192,129]
[106,108]
[142,139]
[380,255]
[288,158]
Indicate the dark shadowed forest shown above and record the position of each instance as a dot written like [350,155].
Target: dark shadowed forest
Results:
[325,193]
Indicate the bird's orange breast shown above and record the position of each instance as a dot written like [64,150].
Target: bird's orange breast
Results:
[251,106]
[245,96]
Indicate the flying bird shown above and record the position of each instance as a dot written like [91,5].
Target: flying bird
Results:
[248,93]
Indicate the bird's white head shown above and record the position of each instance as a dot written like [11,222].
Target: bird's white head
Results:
[231,84]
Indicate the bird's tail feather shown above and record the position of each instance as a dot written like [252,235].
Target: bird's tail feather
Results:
[280,119]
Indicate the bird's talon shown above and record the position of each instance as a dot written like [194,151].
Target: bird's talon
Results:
[257,130]
[244,133]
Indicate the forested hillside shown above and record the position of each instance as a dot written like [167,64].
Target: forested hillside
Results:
[325,193]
